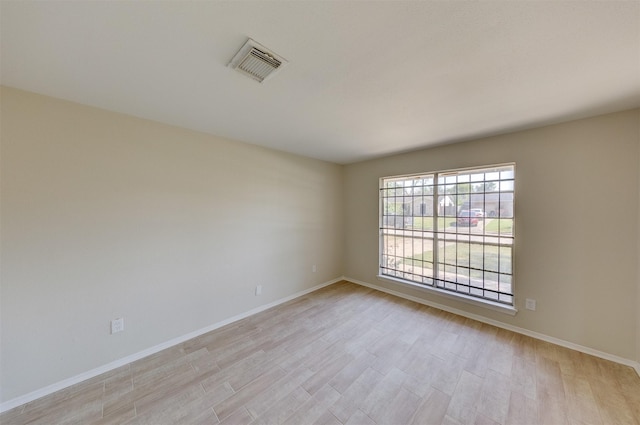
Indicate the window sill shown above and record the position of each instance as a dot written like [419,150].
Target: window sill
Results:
[510,310]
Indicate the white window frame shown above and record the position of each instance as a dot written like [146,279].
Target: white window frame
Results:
[443,282]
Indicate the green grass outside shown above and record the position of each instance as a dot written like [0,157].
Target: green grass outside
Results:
[492,225]
[464,254]
[499,225]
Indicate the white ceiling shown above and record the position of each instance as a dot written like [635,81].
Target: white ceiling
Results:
[364,79]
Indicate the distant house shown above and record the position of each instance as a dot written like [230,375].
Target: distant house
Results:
[422,206]
[400,213]
[494,204]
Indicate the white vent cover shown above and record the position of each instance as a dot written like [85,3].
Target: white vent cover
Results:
[256,61]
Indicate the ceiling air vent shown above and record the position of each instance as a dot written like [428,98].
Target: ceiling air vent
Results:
[256,61]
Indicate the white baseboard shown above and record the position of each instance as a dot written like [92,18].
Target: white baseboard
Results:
[603,355]
[34,395]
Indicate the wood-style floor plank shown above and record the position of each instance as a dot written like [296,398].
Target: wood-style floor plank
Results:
[346,354]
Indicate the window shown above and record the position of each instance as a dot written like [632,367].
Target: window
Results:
[451,231]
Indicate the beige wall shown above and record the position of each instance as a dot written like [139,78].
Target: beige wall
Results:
[576,253]
[105,216]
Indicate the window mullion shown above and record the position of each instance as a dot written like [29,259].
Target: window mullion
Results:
[435,240]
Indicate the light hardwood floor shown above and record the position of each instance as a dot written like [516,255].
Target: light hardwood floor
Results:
[349,355]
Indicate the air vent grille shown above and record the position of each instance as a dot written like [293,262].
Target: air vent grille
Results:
[256,61]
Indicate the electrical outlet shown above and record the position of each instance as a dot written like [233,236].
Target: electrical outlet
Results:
[258,289]
[530,304]
[314,268]
[117,325]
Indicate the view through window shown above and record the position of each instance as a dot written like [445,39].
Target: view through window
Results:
[452,230]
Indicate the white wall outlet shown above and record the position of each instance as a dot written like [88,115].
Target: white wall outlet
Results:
[530,304]
[314,268]
[117,325]
[258,289]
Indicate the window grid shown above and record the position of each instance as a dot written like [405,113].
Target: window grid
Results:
[451,230]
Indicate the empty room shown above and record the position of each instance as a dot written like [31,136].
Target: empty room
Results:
[319,212]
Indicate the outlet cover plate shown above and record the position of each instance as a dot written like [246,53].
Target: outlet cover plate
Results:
[117,325]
